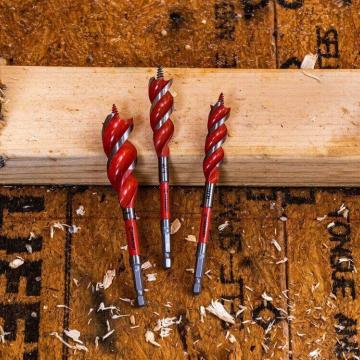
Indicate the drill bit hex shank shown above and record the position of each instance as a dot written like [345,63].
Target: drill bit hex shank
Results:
[122,156]
[163,129]
[214,155]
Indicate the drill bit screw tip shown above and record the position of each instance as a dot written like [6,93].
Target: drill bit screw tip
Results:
[159,73]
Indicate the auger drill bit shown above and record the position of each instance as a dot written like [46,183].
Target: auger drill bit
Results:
[163,129]
[214,155]
[122,155]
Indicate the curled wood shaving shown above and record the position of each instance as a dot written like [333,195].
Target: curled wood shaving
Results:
[164,325]
[223,226]
[321,218]
[266,297]
[217,308]
[175,226]
[150,338]
[73,347]
[80,210]
[282,261]
[3,334]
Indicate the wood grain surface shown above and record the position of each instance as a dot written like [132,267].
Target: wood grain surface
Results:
[284,129]
[291,246]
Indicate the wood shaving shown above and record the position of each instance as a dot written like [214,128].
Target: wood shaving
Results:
[146,265]
[131,302]
[151,277]
[71,228]
[241,310]
[80,210]
[309,61]
[125,247]
[276,244]
[231,338]
[3,334]
[191,270]
[223,226]
[175,226]
[168,304]
[332,224]
[14,264]
[150,338]
[344,211]
[28,248]
[282,261]
[76,282]
[207,273]
[74,335]
[108,334]
[73,347]
[97,338]
[132,320]
[202,313]
[283,218]
[266,297]
[314,287]
[191,238]
[217,308]
[107,280]
[164,325]
[321,218]
[315,354]
[61,306]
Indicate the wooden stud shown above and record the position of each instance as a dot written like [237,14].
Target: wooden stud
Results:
[286,127]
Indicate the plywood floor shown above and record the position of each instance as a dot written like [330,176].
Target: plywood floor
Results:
[292,245]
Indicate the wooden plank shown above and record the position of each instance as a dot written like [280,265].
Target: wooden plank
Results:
[213,33]
[324,252]
[286,127]
[329,28]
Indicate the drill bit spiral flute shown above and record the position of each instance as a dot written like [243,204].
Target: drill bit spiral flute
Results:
[122,155]
[163,128]
[214,155]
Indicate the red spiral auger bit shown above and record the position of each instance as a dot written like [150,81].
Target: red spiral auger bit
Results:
[121,155]
[214,154]
[163,128]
